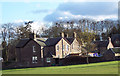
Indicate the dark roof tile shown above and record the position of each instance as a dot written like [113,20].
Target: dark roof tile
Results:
[52,41]
[101,43]
[70,40]
[22,43]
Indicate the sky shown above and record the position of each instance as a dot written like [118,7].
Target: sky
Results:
[47,11]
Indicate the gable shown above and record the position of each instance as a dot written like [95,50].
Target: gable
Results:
[110,45]
[75,41]
[64,41]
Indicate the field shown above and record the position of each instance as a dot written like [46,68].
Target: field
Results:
[94,68]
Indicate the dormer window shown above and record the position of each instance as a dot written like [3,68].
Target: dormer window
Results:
[34,49]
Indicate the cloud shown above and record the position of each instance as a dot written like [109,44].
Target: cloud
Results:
[75,10]
[57,15]
[89,8]
[37,26]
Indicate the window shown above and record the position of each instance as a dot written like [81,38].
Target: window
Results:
[34,49]
[72,46]
[34,59]
[57,47]
[67,47]
[48,60]
[63,47]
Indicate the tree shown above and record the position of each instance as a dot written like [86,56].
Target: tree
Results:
[7,35]
[24,31]
[53,31]
[87,38]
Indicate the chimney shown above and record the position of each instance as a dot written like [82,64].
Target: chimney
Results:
[62,34]
[67,35]
[74,34]
[32,36]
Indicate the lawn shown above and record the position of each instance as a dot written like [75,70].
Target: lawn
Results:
[93,68]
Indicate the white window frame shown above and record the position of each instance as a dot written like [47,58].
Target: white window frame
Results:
[48,60]
[34,59]
[34,49]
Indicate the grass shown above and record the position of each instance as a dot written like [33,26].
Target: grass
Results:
[94,68]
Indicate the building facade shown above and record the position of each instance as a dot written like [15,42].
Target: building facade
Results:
[45,52]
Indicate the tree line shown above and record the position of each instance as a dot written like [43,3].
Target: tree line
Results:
[87,31]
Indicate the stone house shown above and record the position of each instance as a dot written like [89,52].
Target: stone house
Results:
[34,51]
[29,51]
[61,47]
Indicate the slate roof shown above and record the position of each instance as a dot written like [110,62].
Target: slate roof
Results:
[101,43]
[52,41]
[23,42]
[115,37]
[116,50]
[43,41]
[70,40]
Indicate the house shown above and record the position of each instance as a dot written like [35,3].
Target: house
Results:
[30,51]
[75,46]
[101,46]
[114,41]
[110,48]
[61,47]
[34,51]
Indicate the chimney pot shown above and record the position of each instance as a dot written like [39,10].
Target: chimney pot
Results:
[75,34]
[63,34]
[32,36]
